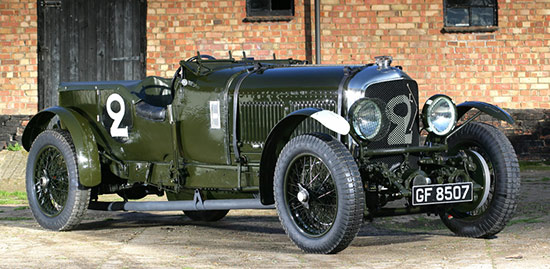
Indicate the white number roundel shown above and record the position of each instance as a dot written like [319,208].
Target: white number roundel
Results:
[115,130]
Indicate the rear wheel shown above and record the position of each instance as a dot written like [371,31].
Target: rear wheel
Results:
[208,215]
[318,193]
[497,171]
[56,198]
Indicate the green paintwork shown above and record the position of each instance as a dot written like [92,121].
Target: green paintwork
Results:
[199,142]
[90,99]
[84,141]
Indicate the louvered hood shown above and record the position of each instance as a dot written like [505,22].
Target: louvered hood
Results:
[267,96]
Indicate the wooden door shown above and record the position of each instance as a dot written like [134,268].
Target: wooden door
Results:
[89,40]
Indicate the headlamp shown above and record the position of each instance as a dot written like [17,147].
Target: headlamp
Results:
[439,115]
[367,118]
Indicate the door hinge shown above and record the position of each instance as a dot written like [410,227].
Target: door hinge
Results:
[51,3]
[131,58]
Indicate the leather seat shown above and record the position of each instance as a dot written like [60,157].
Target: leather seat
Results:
[150,112]
[155,95]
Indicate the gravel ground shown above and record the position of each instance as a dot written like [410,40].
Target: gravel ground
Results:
[255,239]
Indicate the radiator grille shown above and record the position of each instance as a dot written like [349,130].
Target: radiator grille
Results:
[257,119]
[310,125]
[401,97]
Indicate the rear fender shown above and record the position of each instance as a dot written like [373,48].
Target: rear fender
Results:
[279,137]
[494,111]
[84,141]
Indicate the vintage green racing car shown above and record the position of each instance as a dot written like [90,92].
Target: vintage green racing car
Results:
[328,146]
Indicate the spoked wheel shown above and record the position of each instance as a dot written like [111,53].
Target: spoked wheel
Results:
[56,199]
[51,181]
[497,171]
[310,195]
[318,193]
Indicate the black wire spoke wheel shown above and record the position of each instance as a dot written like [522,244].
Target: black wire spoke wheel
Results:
[51,181]
[318,193]
[497,171]
[56,198]
[310,195]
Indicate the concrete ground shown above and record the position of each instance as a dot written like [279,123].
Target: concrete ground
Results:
[12,170]
[255,239]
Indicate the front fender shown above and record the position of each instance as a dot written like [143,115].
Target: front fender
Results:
[87,156]
[279,137]
[492,110]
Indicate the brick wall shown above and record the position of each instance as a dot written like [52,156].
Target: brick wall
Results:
[18,57]
[177,29]
[509,67]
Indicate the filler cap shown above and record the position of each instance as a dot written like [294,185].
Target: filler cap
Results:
[383,62]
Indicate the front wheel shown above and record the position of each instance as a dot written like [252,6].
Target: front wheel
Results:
[56,198]
[318,193]
[497,171]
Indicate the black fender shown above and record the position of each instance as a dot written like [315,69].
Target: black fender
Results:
[279,137]
[83,138]
[494,111]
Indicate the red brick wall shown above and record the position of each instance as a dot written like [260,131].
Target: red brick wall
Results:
[177,29]
[18,58]
[510,67]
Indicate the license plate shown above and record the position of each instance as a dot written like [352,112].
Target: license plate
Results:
[442,193]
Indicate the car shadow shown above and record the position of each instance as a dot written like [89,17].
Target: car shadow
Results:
[256,228]
[253,224]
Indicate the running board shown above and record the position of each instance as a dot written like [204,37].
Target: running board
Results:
[196,205]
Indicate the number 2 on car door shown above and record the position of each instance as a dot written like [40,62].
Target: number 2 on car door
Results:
[116,130]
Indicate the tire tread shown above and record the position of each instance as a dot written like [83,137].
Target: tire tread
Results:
[72,214]
[346,168]
[506,167]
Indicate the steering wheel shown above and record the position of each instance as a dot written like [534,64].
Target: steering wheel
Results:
[205,56]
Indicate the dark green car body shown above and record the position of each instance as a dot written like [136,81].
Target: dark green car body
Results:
[219,126]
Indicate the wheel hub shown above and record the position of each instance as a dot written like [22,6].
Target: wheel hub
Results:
[486,174]
[303,196]
[44,181]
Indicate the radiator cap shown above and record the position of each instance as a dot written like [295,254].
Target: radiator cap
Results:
[383,62]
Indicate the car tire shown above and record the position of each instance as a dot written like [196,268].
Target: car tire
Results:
[56,198]
[318,193]
[490,217]
[208,215]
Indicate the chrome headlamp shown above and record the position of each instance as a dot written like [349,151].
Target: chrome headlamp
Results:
[439,115]
[367,118]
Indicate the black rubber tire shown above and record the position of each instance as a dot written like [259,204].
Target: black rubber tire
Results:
[505,182]
[208,215]
[349,189]
[78,197]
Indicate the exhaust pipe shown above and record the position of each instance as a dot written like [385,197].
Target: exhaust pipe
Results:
[197,204]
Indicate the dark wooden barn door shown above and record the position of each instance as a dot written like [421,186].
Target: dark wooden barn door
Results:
[89,40]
